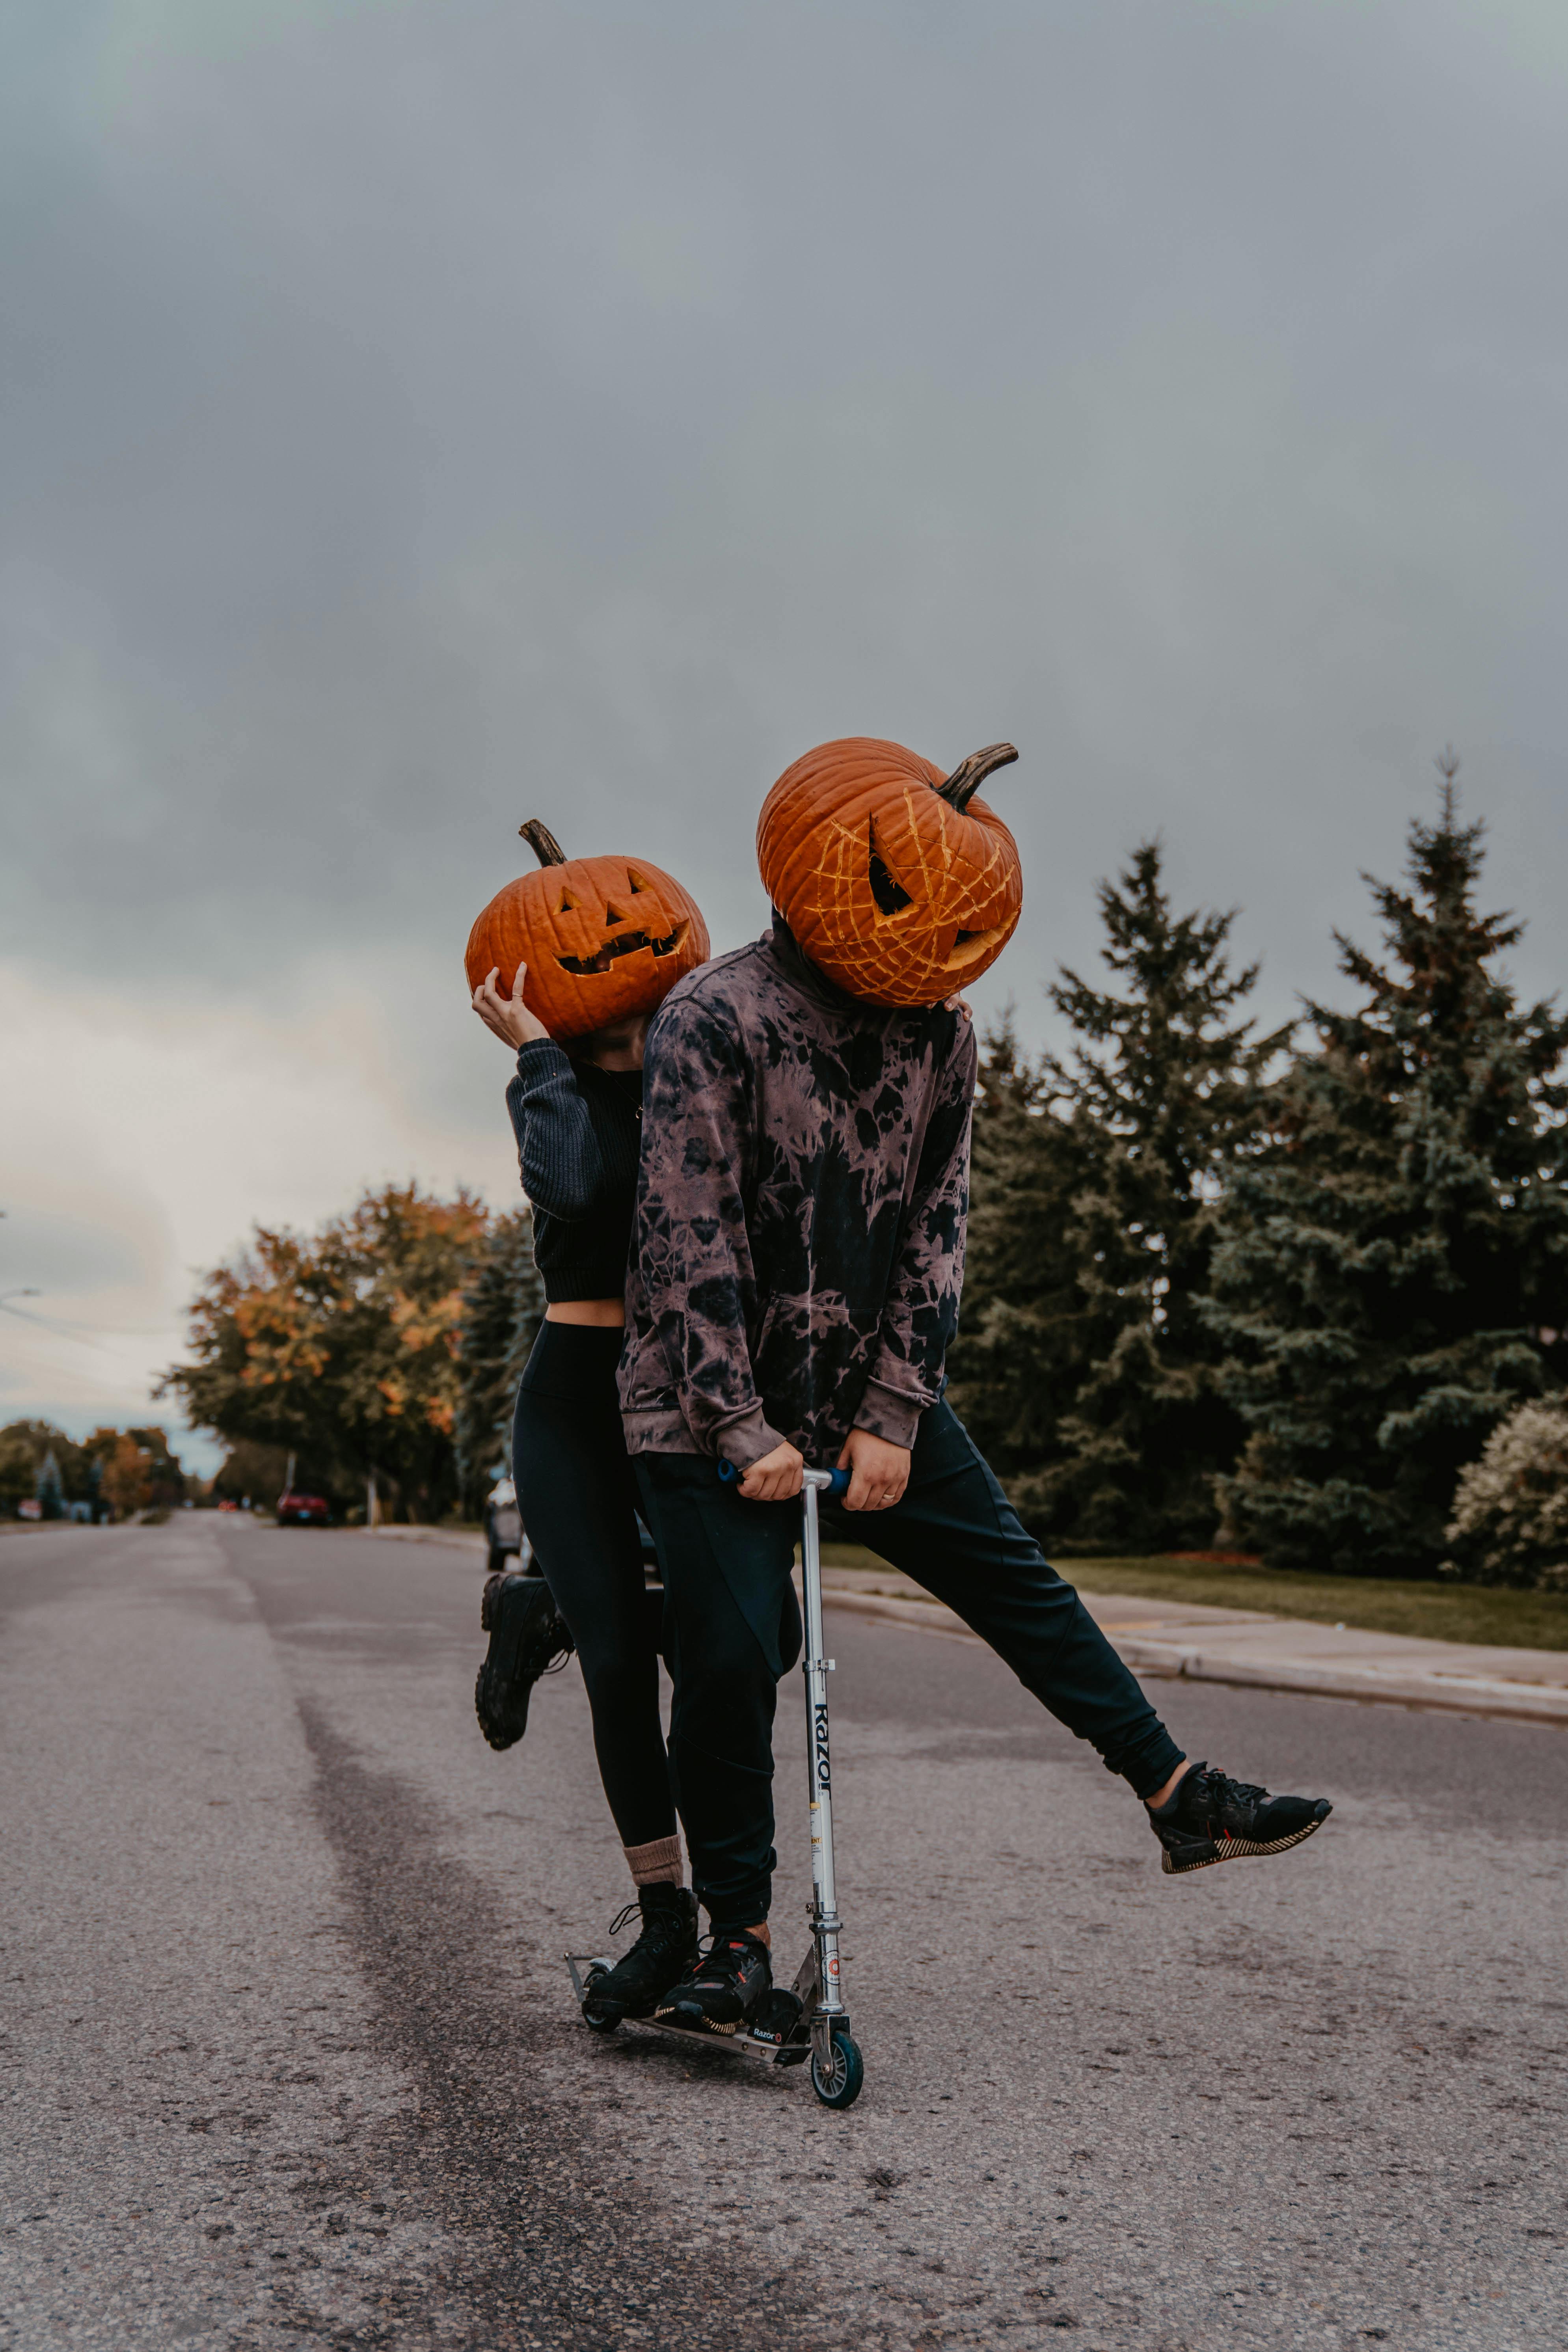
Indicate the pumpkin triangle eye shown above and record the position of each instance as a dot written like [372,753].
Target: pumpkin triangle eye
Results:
[634,881]
[567,903]
[890,894]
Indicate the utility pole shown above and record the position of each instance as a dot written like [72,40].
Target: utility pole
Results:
[372,1507]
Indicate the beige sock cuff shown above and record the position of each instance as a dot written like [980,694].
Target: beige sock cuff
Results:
[658,1863]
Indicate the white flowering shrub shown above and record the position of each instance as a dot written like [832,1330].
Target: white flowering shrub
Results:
[1511,1513]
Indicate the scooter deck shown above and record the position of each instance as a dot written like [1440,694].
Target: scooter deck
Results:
[793,2049]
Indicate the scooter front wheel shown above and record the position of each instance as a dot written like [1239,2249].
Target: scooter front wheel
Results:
[838,2083]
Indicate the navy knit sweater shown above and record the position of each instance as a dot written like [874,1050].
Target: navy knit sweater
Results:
[578,1129]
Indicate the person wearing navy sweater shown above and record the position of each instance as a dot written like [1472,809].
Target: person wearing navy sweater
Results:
[577,1116]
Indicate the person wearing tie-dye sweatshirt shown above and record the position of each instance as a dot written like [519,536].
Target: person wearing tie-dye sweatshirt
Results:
[796,1267]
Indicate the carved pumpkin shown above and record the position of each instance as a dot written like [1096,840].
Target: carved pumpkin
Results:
[603,937]
[895,880]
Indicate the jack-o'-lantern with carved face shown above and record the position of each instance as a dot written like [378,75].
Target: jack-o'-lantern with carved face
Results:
[603,937]
[895,879]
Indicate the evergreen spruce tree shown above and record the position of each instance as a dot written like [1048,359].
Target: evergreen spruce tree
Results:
[1096,1187]
[503,1308]
[1393,1276]
[1170,1087]
[1017,1358]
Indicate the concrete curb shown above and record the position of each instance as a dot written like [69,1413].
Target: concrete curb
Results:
[1453,1694]
[1456,1694]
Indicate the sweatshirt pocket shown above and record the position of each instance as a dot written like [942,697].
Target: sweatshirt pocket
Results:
[814,1354]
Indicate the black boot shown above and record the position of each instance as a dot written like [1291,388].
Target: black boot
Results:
[659,1957]
[722,1991]
[528,1638]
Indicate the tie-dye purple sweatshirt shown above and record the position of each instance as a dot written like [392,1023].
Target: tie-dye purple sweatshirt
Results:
[798,1250]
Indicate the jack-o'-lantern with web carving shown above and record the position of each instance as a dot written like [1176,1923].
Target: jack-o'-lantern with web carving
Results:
[603,937]
[895,879]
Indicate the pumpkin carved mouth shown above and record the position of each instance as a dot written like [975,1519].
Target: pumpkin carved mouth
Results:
[970,945]
[627,944]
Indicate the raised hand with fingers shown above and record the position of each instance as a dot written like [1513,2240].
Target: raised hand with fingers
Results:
[508,1016]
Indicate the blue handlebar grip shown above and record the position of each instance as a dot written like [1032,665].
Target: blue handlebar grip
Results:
[835,1491]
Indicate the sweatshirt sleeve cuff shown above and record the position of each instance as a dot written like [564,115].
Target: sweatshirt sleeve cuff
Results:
[541,1058]
[745,1441]
[890,1413]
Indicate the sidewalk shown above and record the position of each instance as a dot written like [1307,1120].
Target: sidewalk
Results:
[1164,1638]
[1242,1645]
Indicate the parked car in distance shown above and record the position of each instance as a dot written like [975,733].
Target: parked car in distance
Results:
[503,1530]
[297,1510]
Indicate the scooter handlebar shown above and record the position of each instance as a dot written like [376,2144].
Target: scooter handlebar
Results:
[832,1483]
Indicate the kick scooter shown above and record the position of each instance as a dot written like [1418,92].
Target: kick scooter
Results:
[809,2023]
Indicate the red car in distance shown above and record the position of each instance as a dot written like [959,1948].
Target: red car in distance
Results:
[297,1510]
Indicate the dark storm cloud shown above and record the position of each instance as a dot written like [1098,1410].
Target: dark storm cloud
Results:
[422,416]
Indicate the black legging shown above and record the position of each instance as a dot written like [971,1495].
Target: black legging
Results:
[578,1500]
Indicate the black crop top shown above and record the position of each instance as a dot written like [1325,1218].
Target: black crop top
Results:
[578,1131]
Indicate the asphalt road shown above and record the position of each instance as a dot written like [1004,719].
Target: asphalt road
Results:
[292,2059]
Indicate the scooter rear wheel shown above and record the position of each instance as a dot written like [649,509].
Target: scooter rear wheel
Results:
[597,2024]
[840,2082]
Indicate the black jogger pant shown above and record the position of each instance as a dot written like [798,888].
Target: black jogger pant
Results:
[726,1566]
[578,1501]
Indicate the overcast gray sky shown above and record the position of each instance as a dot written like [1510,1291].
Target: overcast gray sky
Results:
[420,417]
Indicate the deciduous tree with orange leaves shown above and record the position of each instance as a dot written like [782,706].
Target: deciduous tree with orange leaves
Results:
[342,1346]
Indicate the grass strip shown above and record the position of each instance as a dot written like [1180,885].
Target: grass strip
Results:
[1436,1612]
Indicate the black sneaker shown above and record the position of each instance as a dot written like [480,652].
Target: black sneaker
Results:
[721,1989]
[1212,1818]
[662,1955]
[528,1638]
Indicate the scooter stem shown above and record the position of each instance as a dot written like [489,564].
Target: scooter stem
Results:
[826,1924]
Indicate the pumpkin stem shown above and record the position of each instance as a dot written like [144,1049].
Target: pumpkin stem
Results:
[543,844]
[970,774]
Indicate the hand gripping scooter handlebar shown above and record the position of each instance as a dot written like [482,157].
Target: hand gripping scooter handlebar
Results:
[833,1484]
[809,2022]
[838,2070]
